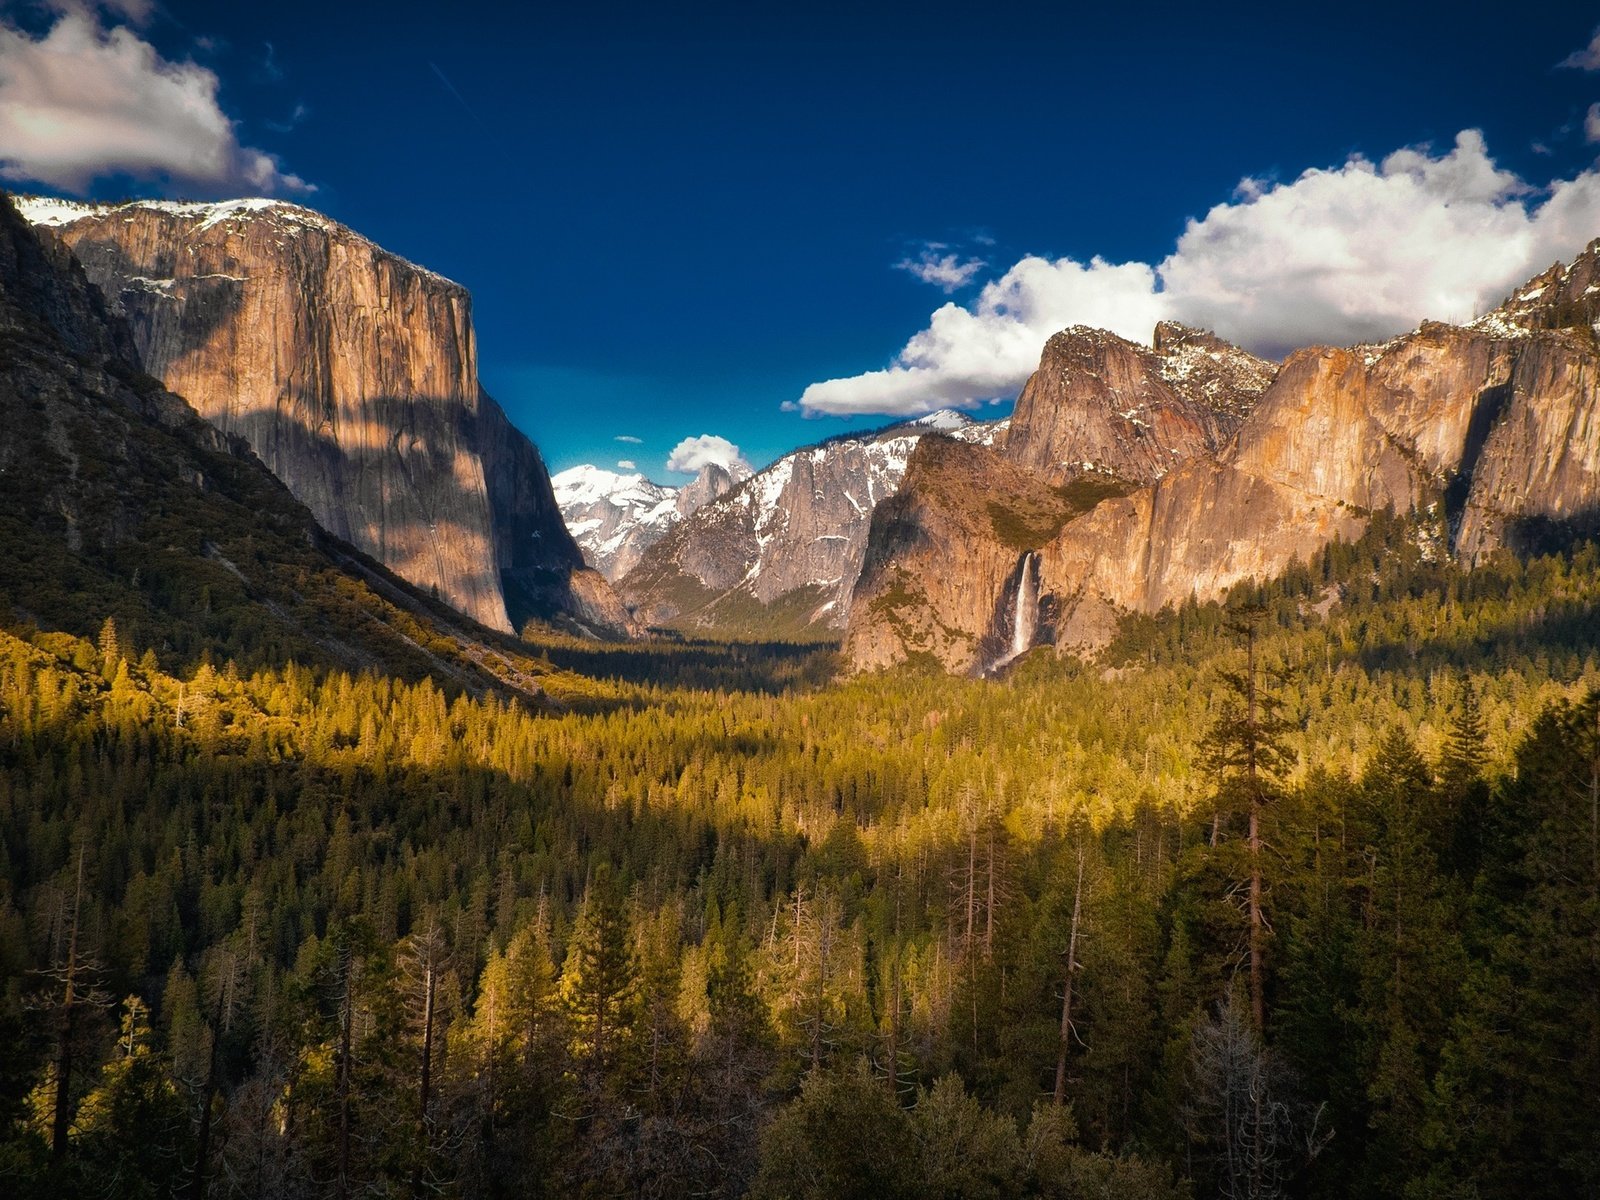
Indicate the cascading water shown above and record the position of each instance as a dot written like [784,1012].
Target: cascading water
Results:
[1025,607]
[1024,612]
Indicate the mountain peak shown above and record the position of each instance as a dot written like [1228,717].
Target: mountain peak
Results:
[1565,296]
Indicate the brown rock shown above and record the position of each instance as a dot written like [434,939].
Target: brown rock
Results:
[353,375]
[1099,404]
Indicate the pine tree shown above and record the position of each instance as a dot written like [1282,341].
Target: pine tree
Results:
[599,982]
[1244,747]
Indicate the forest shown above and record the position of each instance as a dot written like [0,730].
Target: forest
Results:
[1296,894]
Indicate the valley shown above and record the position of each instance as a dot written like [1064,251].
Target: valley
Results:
[953,807]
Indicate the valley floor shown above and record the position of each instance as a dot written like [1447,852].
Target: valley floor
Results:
[728,922]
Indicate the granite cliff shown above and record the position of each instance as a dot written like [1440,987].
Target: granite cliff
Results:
[1494,428]
[1102,405]
[353,375]
[118,501]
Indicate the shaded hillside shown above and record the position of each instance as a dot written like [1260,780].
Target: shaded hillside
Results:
[117,501]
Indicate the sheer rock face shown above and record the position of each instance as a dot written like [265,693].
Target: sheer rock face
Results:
[117,499]
[1498,423]
[353,375]
[1099,404]
[1099,416]
[942,560]
[1504,431]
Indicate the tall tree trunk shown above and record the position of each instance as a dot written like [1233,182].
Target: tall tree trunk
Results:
[429,984]
[1066,988]
[988,916]
[61,1122]
[346,1031]
[1258,998]
[202,1157]
[1258,995]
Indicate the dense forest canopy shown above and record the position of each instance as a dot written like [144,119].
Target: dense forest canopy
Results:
[1297,894]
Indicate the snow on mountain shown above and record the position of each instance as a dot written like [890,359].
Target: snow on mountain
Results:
[614,517]
[789,541]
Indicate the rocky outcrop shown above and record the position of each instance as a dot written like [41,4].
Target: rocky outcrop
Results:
[1102,405]
[711,482]
[780,553]
[1497,424]
[959,504]
[353,375]
[615,517]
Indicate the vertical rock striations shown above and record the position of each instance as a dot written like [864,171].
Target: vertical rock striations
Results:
[1100,416]
[1495,426]
[1099,404]
[353,375]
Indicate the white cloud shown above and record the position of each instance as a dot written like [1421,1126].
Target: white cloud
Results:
[695,452]
[983,352]
[629,438]
[1357,252]
[83,102]
[1586,59]
[946,271]
[627,464]
[1591,124]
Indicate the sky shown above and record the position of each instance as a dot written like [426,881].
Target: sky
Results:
[703,235]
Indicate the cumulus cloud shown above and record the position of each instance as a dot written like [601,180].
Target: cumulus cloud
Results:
[627,464]
[695,452]
[629,438]
[968,354]
[1357,252]
[83,102]
[948,271]
[1586,59]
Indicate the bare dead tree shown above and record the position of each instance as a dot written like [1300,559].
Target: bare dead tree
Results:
[1069,969]
[72,996]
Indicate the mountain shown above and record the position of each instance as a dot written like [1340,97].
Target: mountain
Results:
[614,518]
[1100,404]
[779,554]
[1493,427]
[118,502]
[353,375]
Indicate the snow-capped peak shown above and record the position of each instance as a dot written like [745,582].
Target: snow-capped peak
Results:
[942,420]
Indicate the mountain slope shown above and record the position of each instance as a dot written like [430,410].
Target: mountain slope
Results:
[780,553]
[1099,416]
[118,501]
[615,518]
[353,375]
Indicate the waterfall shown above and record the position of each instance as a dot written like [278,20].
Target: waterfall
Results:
[1025,607]
[1024,613]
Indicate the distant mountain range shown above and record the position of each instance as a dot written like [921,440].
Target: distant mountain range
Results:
[779,554]
[615,517]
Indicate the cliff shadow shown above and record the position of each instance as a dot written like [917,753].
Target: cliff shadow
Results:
[1487,408]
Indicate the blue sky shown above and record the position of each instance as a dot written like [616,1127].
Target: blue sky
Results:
[676,225]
